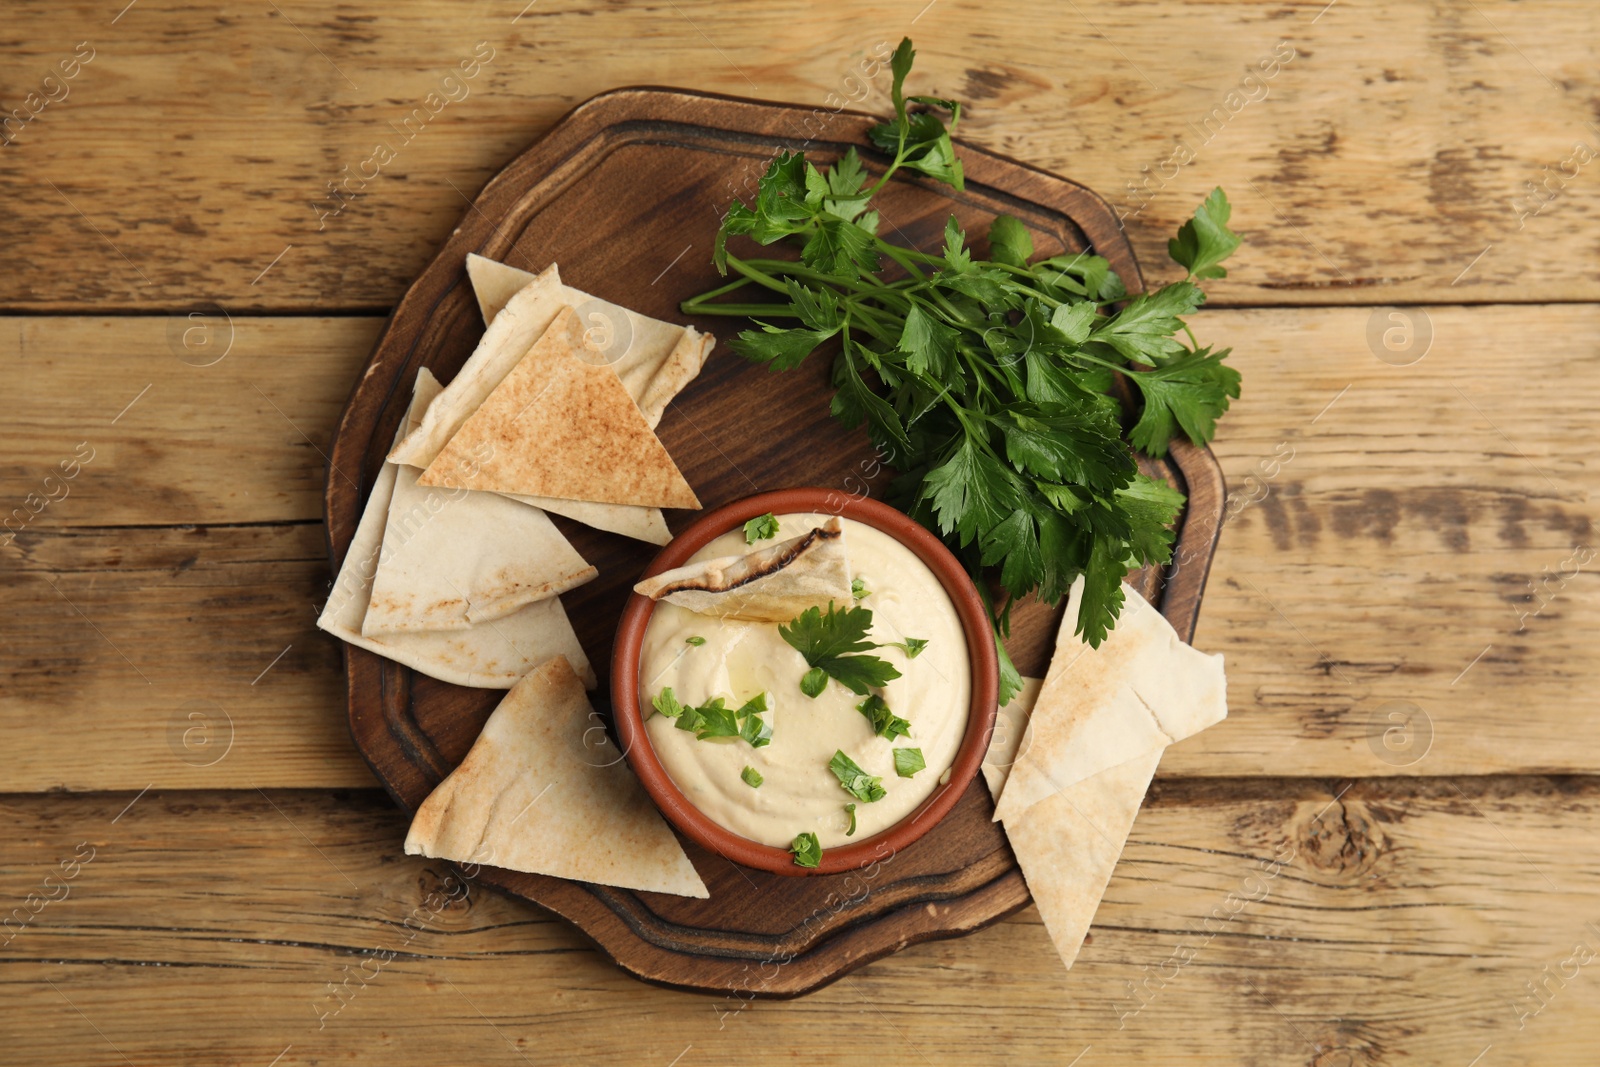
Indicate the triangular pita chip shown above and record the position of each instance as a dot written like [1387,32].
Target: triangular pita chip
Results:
[491,655]
[677,351]
[1010,737]
[452,558]
[629,520]
[559,425]
[1068,844]
[543,790]
[1142,689]
[772,584]
[654,359]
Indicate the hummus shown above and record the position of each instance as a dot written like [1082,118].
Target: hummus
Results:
[737,660]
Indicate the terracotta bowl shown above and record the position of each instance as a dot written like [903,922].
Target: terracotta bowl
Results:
[690,820]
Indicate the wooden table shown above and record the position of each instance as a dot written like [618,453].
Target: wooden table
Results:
[203,869]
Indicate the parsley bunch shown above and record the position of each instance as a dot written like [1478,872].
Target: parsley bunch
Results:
[987,383]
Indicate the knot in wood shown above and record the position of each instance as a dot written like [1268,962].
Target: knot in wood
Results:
[1340,838]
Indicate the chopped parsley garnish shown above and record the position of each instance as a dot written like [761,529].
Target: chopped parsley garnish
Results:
[908,761]
[850,810]
[712,719]
[993,382]
[858,589]
[911,646]
[833,644]
[813,682]
[807,852]
[715,719]
[752,777]
[696,641]
[855,781]
[667,703]
[885,723]
[761,528]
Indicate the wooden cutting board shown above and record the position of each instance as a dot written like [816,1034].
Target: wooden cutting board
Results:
[626,193]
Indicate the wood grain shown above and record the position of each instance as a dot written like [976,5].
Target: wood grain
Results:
[181,656]
[1402,928]
[165,434]
[1398,541]
[195,151]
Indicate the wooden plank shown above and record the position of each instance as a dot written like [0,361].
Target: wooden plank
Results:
[115,421]
[177,656]
[166,182]
[1405,922]
[1424,554]
[1395,545]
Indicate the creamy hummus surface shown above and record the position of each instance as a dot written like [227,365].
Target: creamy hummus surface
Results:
[737,660]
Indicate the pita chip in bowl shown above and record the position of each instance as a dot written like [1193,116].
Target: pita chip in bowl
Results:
[537,793]
[772,584]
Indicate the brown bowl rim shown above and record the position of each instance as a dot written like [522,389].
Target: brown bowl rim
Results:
[699,827]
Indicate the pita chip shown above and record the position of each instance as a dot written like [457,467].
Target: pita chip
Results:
[772,584]
[560,424]
[453,558]
[1068,845]
[654,359]
[491,655]
[1010,737]
[537,794]
[1142,689]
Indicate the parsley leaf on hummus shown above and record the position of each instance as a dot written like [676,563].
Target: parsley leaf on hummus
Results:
[855,781]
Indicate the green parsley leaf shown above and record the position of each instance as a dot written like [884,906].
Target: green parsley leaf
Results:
[841,248]
[813,682]
[858,589]
[911,646]
[1152,506]
[761,528]
[715,720]
[807,851]
[1205,240]
[696,641]
[1010,677]
[752,777]
[667,703]
[1192,391]
[908,761]
[1142,331]
[855,781]
[970,491]
[1009,241]
[885,723]
[850,810]
[955,252]
[832,643]
[929,345]
[780,349]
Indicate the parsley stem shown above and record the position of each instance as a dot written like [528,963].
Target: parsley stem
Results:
[898,254]
[750,310]
[800,270]
[757,276]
